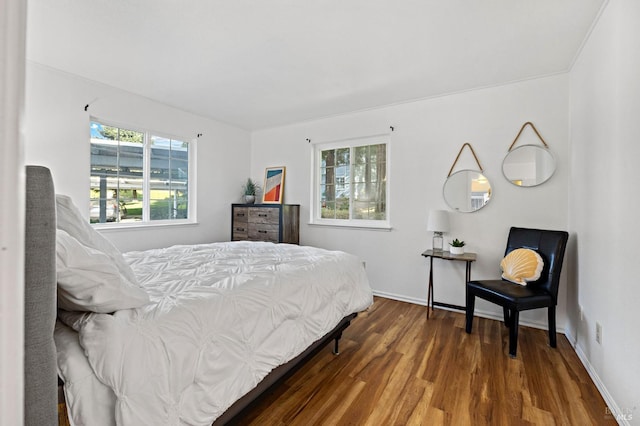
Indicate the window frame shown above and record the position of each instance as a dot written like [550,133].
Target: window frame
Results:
[316,176]
[146,211]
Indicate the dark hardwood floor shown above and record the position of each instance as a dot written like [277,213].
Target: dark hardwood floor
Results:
[398,368]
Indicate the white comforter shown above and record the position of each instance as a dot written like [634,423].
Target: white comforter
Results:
[222,317]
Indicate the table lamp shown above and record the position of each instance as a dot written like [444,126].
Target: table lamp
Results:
[438,223]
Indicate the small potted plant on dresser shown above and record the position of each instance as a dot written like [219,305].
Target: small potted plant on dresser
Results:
[456,246]
[249,190]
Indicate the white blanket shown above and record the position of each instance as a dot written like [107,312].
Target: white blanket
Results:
[221,317]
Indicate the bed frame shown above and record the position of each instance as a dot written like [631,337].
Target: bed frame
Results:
[281,373]
[41,392]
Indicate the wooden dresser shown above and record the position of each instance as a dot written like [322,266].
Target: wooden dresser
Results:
[277,223]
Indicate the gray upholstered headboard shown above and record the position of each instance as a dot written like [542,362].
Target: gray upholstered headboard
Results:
[40,373]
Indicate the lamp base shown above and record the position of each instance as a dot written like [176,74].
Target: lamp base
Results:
[437,242]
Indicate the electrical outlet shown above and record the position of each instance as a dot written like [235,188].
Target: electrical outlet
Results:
[598,333]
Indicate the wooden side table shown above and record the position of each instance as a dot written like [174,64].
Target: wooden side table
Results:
[466,257]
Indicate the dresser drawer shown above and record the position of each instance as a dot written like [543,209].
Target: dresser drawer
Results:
[240,215]
[240,231]
[264,215]
[264,232]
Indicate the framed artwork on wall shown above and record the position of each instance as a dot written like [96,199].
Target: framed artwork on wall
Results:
[273,185]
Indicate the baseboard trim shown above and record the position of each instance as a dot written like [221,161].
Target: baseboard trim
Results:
[616,413]
[399,298]
[478,312]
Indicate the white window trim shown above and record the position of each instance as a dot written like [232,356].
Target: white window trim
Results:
[146,221]
[316,148]
[114,226]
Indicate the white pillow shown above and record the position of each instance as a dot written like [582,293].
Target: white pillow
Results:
[88,280]
[71,221]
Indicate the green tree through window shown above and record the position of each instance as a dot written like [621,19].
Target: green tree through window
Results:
[352,182]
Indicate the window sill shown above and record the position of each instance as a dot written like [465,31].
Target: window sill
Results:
[385,227]
[139,225]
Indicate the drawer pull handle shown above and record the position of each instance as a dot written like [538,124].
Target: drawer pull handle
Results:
[262,232]
[240,214]
[262,215]
[240,229]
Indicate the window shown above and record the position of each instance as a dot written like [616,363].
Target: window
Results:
[350,183]
[138,176]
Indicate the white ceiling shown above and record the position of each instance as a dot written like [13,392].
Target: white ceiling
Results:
[258,64]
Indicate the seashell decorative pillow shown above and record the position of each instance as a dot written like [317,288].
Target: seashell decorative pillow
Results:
[521,266]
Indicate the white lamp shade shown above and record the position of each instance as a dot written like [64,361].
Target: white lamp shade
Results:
[438,221]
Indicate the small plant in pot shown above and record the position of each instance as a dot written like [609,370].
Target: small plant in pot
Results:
[456,246]
[249,190]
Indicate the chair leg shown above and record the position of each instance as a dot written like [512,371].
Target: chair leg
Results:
[471,302]
[552,326]
[513,333]
[507,317]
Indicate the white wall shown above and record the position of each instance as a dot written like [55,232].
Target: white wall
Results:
[605,106]
[428,135]
[12,196]
[57,136]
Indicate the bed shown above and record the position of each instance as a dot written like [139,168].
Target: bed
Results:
[189,335]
